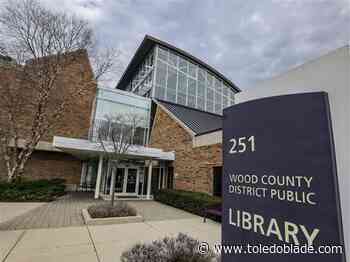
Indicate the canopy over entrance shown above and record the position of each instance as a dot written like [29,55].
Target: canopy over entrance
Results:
[127,179]
[85,149]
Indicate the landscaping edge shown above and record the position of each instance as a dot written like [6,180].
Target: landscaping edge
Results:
[88,220]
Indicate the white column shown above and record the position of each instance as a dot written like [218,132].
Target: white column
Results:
[98,180]
[149,180]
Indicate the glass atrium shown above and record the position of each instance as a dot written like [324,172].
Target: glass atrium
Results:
[169,76]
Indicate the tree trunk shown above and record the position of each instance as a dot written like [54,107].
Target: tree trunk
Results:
[12,172]
[113,187]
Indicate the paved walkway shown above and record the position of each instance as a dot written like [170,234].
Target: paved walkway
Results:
[66,211]
[96,243]
[63,212]
[10,210]
[55,232]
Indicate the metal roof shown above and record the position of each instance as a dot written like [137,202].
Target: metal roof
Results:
[198,121]
[146,46]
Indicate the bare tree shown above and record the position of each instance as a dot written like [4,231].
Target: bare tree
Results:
[116,134]
[42,44]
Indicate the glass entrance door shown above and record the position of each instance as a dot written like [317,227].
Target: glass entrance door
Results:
[131,181]
[126,180]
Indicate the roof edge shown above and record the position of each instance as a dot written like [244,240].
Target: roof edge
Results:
[209,131]
[187,107]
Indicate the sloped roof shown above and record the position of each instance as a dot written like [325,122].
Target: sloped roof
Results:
[198,121]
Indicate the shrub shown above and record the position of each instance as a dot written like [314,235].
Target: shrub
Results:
[193,202]
[36,190]
[180,249]
[120,209]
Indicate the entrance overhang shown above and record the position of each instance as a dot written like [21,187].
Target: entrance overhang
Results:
[85,149]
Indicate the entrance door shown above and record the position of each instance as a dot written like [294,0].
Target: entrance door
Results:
[126,180]
[131,181]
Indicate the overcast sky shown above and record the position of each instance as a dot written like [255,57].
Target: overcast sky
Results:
[246,40]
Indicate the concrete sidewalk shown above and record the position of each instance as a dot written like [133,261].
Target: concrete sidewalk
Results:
[10,210]
[96,243]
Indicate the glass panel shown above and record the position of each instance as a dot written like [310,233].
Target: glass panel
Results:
[210,94]
[225,90]
[192,86]
[191,101]
[192,70]
[210,79]
[160,92]
[182,89]
[181,98]
[109,109]
[171,84]
[225,101]
[171,95]
[201,74]
[218,98]
[200,103]
[232,95]
[118,110]
[131,180]
[172,78]
[139,134]
[161,74]
[119,180]
[210,106]
[201,90]
[163,54]
[173,59]
[121,97]
[218,85]
[183,65]
[217,108]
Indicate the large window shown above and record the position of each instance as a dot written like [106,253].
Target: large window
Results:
[113,103]
[161,78]
[171,85]
[182,81]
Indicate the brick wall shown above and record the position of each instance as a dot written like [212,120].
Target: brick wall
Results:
[47,165]
[74,123]
[193,167]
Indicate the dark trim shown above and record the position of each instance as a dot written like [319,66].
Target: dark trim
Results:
[191,108]
[144,48]
[209,131]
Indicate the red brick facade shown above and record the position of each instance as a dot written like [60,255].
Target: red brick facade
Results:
[46,165]
[75,122]
[193,167]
